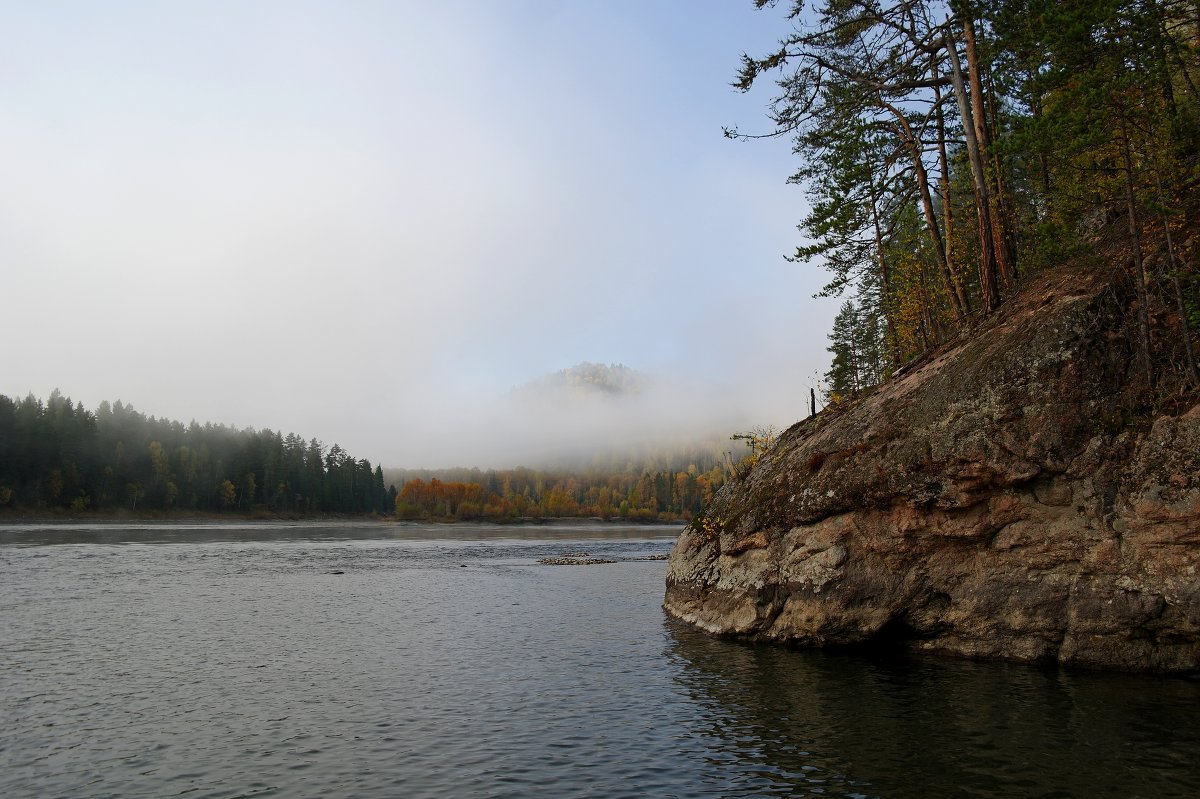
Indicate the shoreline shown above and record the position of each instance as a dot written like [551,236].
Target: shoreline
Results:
[42,517]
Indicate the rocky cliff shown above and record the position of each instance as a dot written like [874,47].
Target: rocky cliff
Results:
[1010,497]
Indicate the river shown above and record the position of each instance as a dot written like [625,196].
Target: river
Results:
[377,660]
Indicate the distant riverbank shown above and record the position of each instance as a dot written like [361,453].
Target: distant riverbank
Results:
[52,515]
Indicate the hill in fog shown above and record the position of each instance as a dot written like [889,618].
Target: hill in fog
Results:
[585,416]
[588,379]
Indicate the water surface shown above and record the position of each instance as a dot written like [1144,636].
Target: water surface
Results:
[235,660]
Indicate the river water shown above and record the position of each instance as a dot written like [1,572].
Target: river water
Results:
[382,660]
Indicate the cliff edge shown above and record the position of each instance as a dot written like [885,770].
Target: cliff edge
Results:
[1009,497]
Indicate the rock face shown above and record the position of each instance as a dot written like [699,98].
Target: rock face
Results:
[1004,499]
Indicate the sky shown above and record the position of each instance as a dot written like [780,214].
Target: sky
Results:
[366,222]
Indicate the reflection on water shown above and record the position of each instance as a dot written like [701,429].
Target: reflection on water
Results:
[919,727]
[377,660]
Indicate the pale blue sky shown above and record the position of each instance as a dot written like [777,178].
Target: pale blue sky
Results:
[363,221]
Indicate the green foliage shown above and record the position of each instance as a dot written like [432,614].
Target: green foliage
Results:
[59,455]
[1191,304]
[1048,242]
[857,345]
[1074,107]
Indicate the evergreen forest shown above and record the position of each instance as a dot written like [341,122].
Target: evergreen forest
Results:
[951,150]
[58,455]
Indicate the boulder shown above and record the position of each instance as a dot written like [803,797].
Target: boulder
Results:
[1012,496]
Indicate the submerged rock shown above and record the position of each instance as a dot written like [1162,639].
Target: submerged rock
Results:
[576,559]
[1002,499]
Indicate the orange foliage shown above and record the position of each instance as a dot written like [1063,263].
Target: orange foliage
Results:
[523,493]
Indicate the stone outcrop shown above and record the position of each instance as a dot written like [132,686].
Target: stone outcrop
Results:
[1009,497]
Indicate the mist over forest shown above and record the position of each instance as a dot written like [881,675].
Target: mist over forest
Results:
[592,440]
[275,219]
[578,417]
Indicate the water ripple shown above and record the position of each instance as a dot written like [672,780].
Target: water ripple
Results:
[223,666]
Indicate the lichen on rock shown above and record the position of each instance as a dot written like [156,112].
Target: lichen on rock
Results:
[1002,499]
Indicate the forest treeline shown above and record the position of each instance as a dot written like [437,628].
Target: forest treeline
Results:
[669,490]
[949,150]
[57,454]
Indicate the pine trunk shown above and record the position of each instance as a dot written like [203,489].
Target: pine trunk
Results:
[983,139]
[935,233]
[947,210]
[884,283]
[987,252]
